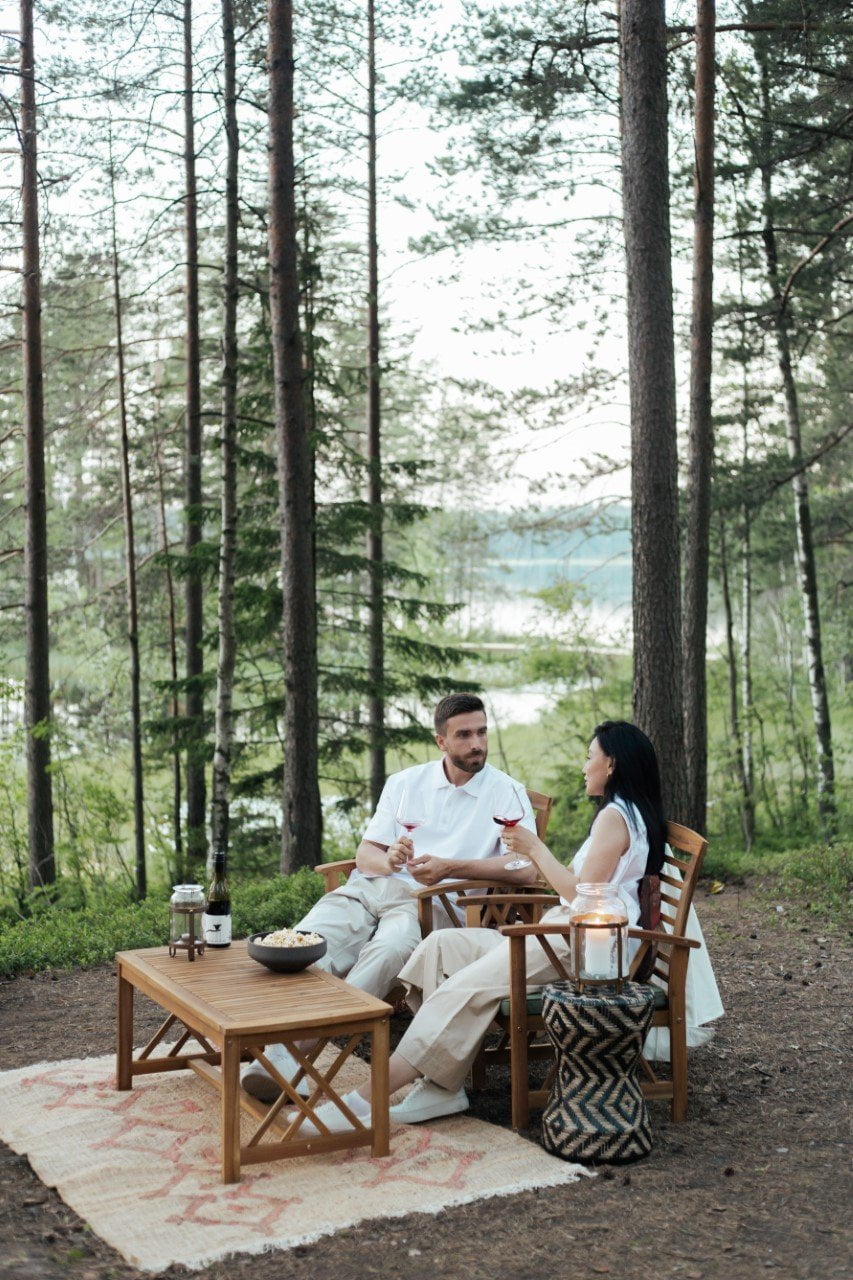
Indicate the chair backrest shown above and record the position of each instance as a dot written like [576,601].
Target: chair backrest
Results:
[678,878]
[541,806]
[686,851]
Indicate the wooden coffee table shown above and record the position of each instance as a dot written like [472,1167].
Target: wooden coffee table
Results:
[230,1007]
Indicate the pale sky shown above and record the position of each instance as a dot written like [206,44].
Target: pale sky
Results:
[420,298]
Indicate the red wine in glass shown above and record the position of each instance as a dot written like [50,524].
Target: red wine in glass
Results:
[408,815]
[508,812]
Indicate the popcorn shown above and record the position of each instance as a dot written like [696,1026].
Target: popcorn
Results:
[289,938]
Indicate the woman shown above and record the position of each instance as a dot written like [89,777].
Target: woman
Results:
[457,978]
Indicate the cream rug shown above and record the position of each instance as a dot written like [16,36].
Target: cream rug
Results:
[142,1168]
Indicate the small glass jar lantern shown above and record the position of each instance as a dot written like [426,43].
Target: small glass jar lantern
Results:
[598,932]
[185,908]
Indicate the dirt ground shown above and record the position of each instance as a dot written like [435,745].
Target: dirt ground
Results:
[755,1182]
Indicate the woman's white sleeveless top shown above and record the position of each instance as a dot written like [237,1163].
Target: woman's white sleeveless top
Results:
[631,866]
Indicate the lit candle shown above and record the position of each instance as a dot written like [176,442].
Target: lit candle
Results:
[599,960]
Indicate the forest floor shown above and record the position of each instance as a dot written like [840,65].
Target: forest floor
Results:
[754,1183]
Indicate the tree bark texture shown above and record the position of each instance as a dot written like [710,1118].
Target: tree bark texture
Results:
[746,700]
[42,863]
[302,824]
[194,585]
[657,685]
[806,568]
[130,570]
[174,709]
[737,752]
[224,728]
[694,622]
[375,555]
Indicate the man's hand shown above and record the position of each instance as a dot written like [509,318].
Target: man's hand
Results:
[429,871]
[399,853]
[383,860]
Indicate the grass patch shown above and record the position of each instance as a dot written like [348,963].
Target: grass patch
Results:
[67,938]
[734,863]
[820,873]
[824,873]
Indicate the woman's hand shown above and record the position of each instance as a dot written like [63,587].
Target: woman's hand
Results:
[520,841]
[526,843]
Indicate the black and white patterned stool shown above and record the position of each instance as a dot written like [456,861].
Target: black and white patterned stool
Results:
[596,1112]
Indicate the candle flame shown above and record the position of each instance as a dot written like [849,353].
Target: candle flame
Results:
[597,918]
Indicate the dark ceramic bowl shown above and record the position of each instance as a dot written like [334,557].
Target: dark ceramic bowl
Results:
[284,959]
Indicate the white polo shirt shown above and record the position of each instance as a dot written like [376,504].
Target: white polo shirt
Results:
[458,821]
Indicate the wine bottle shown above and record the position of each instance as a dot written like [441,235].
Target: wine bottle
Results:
[216,920]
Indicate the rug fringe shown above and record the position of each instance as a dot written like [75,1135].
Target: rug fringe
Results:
[564,1176]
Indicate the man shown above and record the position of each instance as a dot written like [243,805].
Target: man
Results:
[371,922]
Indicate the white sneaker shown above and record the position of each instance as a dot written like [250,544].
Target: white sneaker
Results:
[334,1119]
[426,1100]
[257,1081]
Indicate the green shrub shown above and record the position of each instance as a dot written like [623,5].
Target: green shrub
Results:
[273,903]
[825,873]
[61,937]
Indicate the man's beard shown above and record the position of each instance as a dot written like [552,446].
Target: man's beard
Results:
[466,764]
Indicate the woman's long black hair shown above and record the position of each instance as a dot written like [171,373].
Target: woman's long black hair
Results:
[635,778]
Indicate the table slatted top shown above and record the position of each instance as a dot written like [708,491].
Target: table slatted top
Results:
[228,990]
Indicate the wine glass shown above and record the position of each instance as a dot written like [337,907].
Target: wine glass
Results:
[409,813]
[508,810]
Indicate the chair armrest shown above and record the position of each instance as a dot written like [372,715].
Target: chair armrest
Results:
[332,871]
[530,930]
[425,896]
[660,936]
[532,898]
[651,935]
[519,933]
[461,886]
[452,886]
[657,944]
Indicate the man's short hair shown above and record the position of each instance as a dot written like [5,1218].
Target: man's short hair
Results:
[456,704]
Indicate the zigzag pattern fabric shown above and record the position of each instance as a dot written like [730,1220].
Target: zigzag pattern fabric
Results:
[596,1113]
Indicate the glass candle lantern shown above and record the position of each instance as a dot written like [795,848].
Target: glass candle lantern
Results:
[185,910]
[598,932]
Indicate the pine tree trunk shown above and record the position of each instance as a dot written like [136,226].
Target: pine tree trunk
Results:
[130,562]
[194,586]
[174,707]
[42,863]
[657,691]
[746,701]
[806,568]
[301,837]
[737,755]
[701,443]
[224,734]
[374,448]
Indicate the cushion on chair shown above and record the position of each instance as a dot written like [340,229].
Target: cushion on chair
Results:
[534,1002]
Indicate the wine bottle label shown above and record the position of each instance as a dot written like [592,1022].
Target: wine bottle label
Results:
[216,930]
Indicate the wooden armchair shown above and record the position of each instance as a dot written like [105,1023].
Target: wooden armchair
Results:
[520,1017]
[334,873]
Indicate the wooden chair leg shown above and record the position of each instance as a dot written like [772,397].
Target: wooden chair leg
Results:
[519,1069]
[678,1063]
[425,915]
